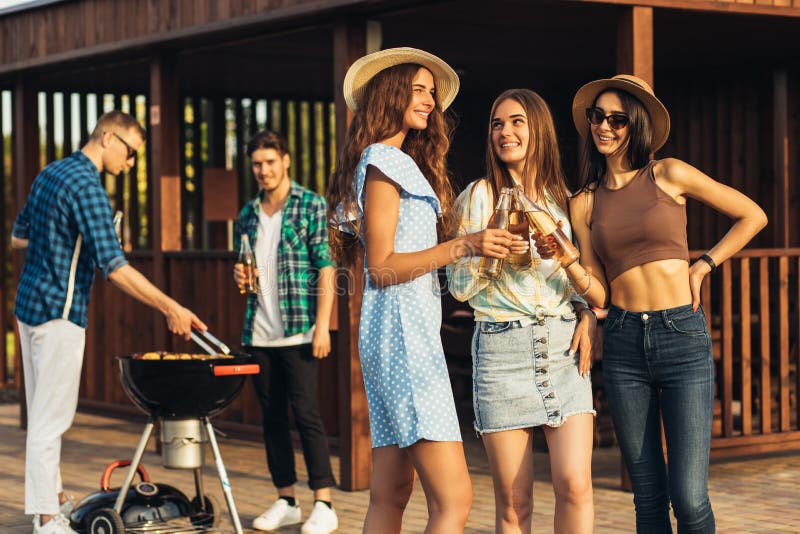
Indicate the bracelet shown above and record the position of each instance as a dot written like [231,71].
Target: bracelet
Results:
[570,263]
[589,310]
[586,275]
[706,258]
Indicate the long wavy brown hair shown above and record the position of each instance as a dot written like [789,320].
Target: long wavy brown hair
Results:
[542,159]
[380,116]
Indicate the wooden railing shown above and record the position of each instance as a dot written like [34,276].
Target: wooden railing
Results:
[203,282]
[752,307]
[751,304]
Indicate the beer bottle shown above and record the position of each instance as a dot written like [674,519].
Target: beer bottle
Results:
[248,260]
[518,225]
[543,223]
[490,268]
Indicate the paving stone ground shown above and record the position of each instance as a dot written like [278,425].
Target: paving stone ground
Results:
[758,495]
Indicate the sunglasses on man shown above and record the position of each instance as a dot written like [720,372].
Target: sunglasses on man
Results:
[616,121]
[131,150]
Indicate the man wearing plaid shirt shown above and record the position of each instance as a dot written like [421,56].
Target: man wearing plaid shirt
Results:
[286,328]
[66,226]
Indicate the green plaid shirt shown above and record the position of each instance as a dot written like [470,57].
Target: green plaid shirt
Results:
[302,251]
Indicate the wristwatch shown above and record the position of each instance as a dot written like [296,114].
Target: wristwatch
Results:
[706,258]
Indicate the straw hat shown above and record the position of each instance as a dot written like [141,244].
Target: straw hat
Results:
[362,71]
[586,95]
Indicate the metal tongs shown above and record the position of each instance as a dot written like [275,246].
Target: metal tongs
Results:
[195,335]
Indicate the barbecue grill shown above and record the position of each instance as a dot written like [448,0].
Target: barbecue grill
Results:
[182,393]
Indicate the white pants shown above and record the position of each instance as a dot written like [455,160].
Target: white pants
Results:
[52,355]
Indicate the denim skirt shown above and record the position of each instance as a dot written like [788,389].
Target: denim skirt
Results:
[523,375]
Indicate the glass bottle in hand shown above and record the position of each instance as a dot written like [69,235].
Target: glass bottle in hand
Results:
[490,268]
[248,261]
[518,225]
[542,222]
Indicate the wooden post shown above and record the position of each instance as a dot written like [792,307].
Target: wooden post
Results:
[164,149]
[635,56]
[355,452]
[6,183]
[782,196]
[635,43]
[26,166]
[215,233]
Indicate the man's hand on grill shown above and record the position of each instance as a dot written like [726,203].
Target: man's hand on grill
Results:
[180,320]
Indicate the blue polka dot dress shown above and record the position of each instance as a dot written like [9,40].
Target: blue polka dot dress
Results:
[405,375]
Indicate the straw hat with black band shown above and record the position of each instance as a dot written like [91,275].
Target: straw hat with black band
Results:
[586,96]
[362,71]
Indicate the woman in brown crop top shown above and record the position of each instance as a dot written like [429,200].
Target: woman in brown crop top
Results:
[630,222]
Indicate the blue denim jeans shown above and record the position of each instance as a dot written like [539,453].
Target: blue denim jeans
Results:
[657,366]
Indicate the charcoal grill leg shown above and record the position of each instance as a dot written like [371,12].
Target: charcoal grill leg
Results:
[137,458]
[223,476]
[198,488]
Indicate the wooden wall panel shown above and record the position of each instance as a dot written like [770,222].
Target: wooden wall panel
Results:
[70,26]
[724,127]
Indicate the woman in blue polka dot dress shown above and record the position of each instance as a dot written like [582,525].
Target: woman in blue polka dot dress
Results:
[389,190]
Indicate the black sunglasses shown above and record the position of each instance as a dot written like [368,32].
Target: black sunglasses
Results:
[616,121]
[131,150]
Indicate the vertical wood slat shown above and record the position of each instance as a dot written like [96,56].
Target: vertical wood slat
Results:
[84,119]
[304,146]
[165,165]
[67,113]
[797,347]
[132,216]
[197,162]
[315,152]
[635,42]
[4,295]
[119,188]
[783,342]
[746,347]
[240,150]
[50,128]
[781,157]
[186,195]
[708,127]
[727,351]
[26,165]
[766,385]
[349,43]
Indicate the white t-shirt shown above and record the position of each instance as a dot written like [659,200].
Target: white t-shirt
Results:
[268,326]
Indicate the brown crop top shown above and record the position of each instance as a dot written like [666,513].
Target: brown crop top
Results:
[636,224]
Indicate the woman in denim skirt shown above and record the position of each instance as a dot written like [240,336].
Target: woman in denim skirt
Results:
[630,221]
[531,350]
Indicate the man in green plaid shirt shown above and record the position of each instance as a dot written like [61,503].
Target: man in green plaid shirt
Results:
[286,327]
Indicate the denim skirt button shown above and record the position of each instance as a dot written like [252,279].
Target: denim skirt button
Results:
[645,317]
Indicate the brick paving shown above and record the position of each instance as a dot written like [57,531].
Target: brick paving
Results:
[757,495]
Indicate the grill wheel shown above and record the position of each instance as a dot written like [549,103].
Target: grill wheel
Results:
[106,521]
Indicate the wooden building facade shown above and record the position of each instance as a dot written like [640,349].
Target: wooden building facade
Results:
[204,75]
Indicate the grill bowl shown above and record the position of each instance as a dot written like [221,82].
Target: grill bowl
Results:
[183,388]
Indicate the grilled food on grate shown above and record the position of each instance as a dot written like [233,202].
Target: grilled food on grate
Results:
[161,355]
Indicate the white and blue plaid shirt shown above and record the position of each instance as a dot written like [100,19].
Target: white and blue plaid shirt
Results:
[68,224]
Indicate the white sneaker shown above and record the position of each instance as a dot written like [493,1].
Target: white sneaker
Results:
[322,520]
[278,515]
[57,525]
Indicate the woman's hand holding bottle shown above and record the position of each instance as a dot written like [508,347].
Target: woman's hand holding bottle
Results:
[548,248]
[492,243]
